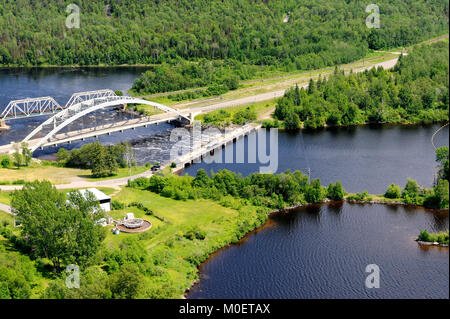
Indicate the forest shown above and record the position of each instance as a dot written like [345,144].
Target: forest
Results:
[414,91]
[286,34]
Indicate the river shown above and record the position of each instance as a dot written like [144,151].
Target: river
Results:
[315,252]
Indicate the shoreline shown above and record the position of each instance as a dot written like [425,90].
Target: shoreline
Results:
[289,209]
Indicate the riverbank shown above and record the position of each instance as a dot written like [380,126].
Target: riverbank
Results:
[285,211]
[173,220]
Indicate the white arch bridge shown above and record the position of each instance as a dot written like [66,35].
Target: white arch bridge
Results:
[79,105]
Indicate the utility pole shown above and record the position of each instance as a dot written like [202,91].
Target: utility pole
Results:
[309,175]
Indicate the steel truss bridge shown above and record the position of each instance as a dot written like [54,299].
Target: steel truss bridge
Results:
[79,105]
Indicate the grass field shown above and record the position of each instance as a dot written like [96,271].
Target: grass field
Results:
[121,172]
[178,217]
[56,175]
[60,175]
[262,109]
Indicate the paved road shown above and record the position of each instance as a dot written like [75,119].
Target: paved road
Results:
[271,95]
[114,183]
[5,208]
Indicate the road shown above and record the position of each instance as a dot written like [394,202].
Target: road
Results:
[269,95]
[114,183]
[5,208]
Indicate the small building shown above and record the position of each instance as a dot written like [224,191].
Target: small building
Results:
[103,199]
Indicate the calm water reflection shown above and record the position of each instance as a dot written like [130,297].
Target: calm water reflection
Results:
[321,252]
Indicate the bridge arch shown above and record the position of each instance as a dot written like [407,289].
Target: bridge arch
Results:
[78,110]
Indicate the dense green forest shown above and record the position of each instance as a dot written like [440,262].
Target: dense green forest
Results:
[414,91]
[317,33]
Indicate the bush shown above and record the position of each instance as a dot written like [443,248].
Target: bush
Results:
[411,189]
[335,192]
[116,205]
[195,233]
[393,191]
[441,237]
[360,196]
[271,123]
[6,162]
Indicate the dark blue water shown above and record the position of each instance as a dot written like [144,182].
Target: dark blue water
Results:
[363,158]
[322,252]
[61,83]
[314,252]
[151,143]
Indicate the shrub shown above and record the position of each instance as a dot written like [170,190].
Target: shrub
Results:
[411,189]
[116,205]
[195,233]
[393,191]
[6,162]
[271,123]
[335,192]
[360,196]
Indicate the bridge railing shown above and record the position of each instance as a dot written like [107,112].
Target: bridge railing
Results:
[47,105]
[30,107]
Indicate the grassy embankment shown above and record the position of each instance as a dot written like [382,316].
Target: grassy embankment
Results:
[264,83]
[171,220]
[59,175]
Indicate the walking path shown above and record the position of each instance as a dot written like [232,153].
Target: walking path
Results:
[5,208]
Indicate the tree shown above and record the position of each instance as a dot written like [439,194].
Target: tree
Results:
[26,153]
[130,156]
[292,121]
[127,283]
[62,155]
[5,57]
[441,192]
[335,192]
[6,162]
[201,179]
[411,188]
[314,192]
[103,162]
[442,158]
[393,191]
[17,156]
[60,229]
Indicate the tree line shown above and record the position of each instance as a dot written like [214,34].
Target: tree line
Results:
[436,197]
[102,160]
[318,33]
[228,188]
[415,91]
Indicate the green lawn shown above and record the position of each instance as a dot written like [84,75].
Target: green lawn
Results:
[56,175]
[121,172]
[179,214]
[4,197]
[262,109]
[60,175]
[218,223]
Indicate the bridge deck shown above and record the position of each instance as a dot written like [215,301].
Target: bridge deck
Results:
[97,131]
